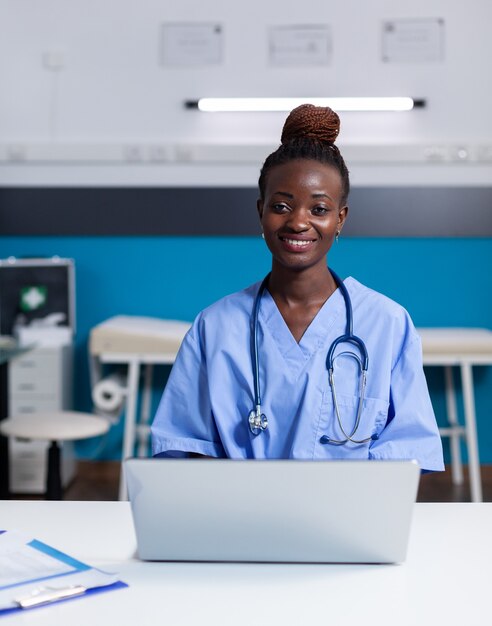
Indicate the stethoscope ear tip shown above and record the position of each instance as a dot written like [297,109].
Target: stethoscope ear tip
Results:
[375,437]
[324,439]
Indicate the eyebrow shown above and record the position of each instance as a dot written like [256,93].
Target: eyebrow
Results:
[314,195]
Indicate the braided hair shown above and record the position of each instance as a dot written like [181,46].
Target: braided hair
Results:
[309,132]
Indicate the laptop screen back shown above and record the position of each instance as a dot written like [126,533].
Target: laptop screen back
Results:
[274,511]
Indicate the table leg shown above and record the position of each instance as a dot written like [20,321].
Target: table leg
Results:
[143,424]
[130,420]
[471,433]
[455,430]
[54,489]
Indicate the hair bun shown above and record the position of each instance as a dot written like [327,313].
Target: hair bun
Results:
[313,122]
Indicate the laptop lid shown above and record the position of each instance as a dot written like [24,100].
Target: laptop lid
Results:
[272,510]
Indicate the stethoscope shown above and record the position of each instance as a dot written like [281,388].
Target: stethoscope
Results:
[258,421]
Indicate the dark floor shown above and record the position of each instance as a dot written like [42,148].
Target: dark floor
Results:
[98,480]
[438,487]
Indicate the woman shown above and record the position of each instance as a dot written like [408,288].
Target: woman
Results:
[259,374]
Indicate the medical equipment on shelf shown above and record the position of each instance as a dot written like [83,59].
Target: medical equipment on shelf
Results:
[257,420]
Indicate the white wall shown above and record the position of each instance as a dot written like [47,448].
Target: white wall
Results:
[114,95]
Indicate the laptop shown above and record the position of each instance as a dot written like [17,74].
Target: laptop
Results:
[272,510]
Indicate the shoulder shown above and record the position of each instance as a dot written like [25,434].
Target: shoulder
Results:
[226,316]
[382,315]
[373,300]
[238,302]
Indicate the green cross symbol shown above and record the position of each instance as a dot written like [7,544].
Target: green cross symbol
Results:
[33,297]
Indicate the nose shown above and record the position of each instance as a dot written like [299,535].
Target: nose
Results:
[299,220]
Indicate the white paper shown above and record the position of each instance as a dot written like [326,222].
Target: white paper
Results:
[108,394]
[300,45]
[191,44]
[19,562]
[419,40]
[146,326]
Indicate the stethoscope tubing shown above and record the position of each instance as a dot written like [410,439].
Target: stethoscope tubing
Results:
[254,340]
[257,420]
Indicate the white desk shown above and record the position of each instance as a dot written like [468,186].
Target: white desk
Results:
[445,580]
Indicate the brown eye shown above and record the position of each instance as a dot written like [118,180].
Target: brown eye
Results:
[279,208]
[320,211]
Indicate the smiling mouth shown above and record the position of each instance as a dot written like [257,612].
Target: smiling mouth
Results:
[297,243]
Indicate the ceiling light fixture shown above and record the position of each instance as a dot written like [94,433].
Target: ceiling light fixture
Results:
[287,104]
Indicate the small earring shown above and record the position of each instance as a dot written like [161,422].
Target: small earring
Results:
[337,236]
[262,235]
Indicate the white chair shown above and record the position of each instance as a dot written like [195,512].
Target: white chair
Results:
[463,348]
[54,427]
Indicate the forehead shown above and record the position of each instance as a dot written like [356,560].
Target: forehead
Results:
[304,175]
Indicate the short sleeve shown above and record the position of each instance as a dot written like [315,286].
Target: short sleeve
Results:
[411,430]
[184,421]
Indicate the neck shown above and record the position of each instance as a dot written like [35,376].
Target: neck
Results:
[315,284]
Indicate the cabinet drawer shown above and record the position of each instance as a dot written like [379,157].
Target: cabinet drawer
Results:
[22,405]
[42,360]
[34,386]
[36,370]
[28,465]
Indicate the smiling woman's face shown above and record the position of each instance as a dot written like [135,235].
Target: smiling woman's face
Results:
[301,212]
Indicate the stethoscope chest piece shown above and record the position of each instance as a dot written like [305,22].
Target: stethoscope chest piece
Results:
[257,421]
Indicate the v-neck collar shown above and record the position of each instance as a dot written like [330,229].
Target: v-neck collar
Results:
[296,354]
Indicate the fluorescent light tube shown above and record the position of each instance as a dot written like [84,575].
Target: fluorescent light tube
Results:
[287,104]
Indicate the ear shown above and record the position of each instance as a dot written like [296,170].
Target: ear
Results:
[342,216]
[259,207]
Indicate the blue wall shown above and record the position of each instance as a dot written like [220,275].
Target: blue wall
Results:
[442,282]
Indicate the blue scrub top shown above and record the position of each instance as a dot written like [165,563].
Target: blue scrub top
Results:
[210,392]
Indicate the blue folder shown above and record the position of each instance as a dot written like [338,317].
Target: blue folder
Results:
[41,588]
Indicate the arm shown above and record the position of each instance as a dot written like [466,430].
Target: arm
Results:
[411,431]
[184,423]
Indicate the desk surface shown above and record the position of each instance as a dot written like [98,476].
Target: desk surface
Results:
[445,580]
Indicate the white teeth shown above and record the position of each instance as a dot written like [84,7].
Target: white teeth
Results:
[297,242]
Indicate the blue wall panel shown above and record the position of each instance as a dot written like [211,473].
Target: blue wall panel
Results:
[442,282]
